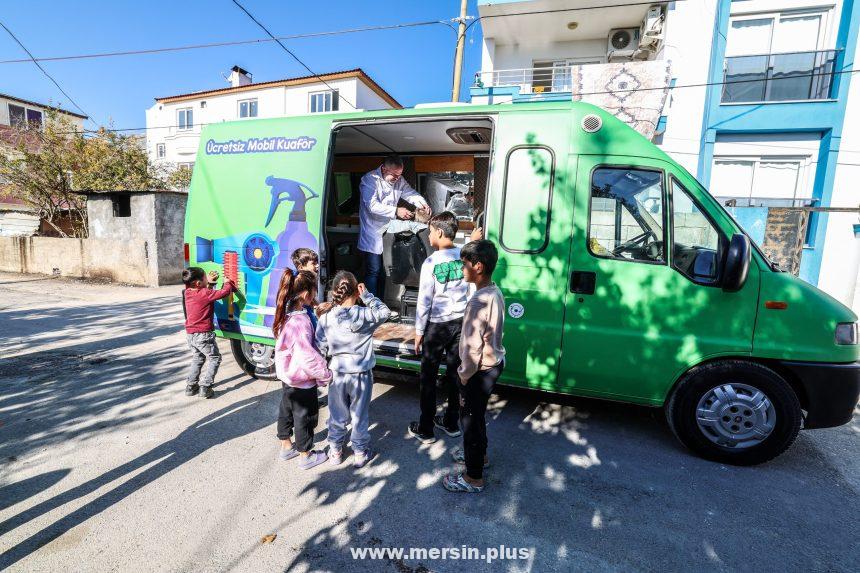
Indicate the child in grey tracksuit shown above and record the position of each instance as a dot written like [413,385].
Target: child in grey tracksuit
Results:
[345,334]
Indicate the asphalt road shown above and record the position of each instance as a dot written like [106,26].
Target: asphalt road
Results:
[106,466]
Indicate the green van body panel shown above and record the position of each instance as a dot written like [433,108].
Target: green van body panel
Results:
[258,191]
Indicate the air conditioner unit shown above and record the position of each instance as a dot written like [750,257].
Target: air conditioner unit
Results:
[651,30]
[623,42]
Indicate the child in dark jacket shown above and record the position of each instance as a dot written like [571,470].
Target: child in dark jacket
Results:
[300,367]
[198,301]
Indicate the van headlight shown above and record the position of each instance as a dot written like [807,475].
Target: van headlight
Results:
[846,333]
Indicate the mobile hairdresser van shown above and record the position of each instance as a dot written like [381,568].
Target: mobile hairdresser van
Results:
[623,278]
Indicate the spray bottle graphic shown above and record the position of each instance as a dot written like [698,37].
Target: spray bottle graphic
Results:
[295,234]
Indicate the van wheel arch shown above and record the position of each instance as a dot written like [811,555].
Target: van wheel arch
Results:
[777,416]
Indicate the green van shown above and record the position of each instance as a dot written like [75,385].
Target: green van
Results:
[623,278]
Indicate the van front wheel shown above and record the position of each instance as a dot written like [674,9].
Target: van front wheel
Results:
[255,359]
[734,412]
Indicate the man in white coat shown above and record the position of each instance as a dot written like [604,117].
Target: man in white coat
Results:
[381,190]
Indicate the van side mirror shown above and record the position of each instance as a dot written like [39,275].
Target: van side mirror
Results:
[737,263]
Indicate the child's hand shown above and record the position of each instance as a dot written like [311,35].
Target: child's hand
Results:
[213,276]
[361,289]
[477,234]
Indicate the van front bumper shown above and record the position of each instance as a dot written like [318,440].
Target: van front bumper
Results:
[831,390]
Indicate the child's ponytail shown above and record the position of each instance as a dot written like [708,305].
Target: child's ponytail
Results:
[343,286]
[293,285]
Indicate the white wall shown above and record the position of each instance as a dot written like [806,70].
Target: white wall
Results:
[4,112]
[278,101]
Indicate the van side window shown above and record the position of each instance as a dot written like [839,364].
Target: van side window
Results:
[626,214]
[695,240]
[526,198]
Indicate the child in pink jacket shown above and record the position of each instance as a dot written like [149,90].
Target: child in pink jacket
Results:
[300,367]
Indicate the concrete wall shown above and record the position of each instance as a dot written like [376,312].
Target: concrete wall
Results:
[126,261]
[169,236]
[103,225]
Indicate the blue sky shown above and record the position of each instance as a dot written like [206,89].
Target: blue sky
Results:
[414,64]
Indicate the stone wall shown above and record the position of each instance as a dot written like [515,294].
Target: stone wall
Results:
[126,261]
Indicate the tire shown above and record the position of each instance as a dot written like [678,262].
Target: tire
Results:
[734,412]
[245,358]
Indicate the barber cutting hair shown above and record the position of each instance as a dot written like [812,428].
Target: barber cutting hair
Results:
[381,191]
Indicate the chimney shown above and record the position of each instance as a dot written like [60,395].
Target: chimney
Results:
[239,77]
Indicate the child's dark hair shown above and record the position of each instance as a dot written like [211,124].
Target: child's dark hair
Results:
[483,252]
[192,274]
[303,256]
[446,222]
[343,286]
[291,288]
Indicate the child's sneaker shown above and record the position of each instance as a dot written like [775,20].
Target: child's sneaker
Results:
[206,392]
[460,457]
[361,459]
[457,483]
[191,389]
[419,435]
[453,431]
[286,454]
[335,457]
[312,460]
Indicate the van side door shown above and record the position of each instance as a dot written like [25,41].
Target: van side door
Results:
[644,301]
[529,218]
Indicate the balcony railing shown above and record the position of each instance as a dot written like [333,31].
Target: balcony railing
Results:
[779,77]
[529,80]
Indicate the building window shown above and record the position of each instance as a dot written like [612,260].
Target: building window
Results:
[248,108]
[778,57]
[185,118]
[324,101]
[19,116]
[526,199]
[626,215]
[121,205]
[552,76]
[750,181]
[159,150]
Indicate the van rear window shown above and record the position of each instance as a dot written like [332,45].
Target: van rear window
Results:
[526,198]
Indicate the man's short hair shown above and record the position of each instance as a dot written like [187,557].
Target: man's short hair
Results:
[393,162]
[483,252]
[446,222]
[192,274]
[303,256]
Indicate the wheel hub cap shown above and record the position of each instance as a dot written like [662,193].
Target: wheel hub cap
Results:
[260,355]
[735,415]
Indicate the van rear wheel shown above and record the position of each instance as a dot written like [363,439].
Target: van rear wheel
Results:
[734,412]
[255,359]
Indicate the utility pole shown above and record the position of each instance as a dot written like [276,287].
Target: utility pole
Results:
[458,55]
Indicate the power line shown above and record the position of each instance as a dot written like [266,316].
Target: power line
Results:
[681,86]
[287,50]
[223,44]
[38,65]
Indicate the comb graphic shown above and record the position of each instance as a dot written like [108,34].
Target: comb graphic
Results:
[231,271]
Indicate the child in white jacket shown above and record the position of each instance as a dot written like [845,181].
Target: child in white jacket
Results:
[345,334]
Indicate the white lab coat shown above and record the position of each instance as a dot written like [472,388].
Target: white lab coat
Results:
[379,206]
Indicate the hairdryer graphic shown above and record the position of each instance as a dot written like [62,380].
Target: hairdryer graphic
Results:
[257,255]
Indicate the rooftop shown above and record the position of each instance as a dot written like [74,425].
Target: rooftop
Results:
[42,105]
[302,80]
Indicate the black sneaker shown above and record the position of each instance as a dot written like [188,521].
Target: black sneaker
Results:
[207,392]
[453,431]
[419,435]
[191,389]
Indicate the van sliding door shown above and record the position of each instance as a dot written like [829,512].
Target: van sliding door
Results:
[530,208]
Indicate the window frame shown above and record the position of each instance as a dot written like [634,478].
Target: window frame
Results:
[187,111]
[335,97]
[663,194]
[717,282]
[23,109]
[247,101]
[825,31]
[548,199]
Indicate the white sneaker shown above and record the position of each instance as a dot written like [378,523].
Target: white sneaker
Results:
[335,457]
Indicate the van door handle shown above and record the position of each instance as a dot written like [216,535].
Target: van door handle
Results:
[582,282]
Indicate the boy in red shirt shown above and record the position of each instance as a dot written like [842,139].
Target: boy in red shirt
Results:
[198,302]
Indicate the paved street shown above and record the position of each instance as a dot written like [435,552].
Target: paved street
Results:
[106,466]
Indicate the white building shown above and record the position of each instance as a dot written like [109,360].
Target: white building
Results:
[760,96]
[174,122]
[16,218]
